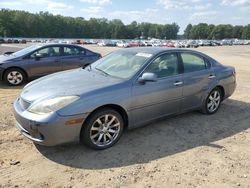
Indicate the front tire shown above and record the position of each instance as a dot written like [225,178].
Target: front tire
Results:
[14,77]
[102,129]
[212,102]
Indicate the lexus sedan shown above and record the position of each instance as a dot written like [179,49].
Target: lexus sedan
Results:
[39,60]
[125,89]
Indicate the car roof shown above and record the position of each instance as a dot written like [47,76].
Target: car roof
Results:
[56,44]
[157,50]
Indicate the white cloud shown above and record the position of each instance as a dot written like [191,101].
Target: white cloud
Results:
[98,2]
[148,15]
[203,14]
[236,2]
[10,3]
[181,4]
[57,8]
[92,10]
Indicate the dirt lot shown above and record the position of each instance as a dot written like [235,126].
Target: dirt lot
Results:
[190,150]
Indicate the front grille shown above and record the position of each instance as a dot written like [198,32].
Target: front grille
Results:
[24,104]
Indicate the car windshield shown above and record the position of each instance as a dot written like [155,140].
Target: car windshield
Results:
[121,64]
[26,50]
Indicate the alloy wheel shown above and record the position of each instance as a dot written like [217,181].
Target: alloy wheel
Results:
[213,101]
[105,130]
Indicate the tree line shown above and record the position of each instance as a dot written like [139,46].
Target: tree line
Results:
[222,31]
[15,23]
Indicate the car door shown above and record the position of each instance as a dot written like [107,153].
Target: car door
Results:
[45,61]
[197,77]
[152,100]
[75,57]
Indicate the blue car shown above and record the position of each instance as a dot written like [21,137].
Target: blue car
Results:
[39,60]
[125,89]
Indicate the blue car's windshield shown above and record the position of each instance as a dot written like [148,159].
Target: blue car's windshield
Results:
[121,64]
[26,50]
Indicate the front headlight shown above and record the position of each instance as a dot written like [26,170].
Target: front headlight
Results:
[52,105]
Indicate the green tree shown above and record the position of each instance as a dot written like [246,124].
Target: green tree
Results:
[246,32]
[187,31]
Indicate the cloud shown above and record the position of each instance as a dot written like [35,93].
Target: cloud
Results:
[236,2]
[57,7]
[98,2]
[147,15]
[10,3]
[92,10]
[203,14]
[181,4]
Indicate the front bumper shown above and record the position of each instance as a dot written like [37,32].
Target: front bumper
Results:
[48,130]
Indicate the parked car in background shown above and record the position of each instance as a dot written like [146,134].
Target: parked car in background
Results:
[106,43]
[2,40]
[40,60]
[125,89]
[122,43]
[167,44]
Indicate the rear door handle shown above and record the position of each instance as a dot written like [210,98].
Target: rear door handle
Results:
[211,76]
[177,83]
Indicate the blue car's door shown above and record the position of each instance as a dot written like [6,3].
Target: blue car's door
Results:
[47,63]
[197,78]
[74,57]
[152,100]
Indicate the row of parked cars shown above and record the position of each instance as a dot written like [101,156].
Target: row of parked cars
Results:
[134,43]
[12,40]
[172,43]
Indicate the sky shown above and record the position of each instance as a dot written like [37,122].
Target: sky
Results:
[183,12]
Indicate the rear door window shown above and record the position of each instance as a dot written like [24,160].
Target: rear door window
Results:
[193,62]
[73,51]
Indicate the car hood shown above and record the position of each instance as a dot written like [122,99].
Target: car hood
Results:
[5,58]
[72,82]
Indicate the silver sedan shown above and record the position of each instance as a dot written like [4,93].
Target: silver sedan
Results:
[125,89]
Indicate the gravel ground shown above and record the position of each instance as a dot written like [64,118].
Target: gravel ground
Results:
[189,150]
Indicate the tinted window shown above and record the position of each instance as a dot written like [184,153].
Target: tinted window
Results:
[68,51]
[163,66]
[47,52]
[192,62]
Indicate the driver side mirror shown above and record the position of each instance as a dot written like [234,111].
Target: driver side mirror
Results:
[147,77]
[38,56]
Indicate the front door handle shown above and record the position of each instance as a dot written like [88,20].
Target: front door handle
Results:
[177,83]
[211,76]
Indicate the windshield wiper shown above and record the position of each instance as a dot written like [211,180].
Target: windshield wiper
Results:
[107,74]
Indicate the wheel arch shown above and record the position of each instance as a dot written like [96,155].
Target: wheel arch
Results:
[115,107]
[222,90]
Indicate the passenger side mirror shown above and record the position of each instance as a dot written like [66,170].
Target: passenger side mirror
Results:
[147,77]
[38,56]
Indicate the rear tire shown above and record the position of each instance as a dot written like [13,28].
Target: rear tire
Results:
[14,77]
[212,102]
[102,129]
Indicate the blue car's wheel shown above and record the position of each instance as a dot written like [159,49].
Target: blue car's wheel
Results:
[213,101]
[102,129]
[14,76]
